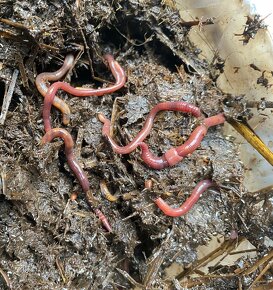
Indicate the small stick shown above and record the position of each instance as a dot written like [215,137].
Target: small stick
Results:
[22,70]
[14,24]
[265,269]
[8,96]
[257,264]
[252,138]
[60,267]
[129,278]
[263,104]
[6,278]
[260,105]
[197,22]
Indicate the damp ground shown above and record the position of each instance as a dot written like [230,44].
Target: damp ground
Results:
[50,242]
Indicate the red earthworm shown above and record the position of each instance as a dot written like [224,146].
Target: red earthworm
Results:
[103,219]
[71,158]
[43,78]
[175,155]
[200,188]
[198,134]
[233,234]
[73,196]
[164,106]
[117,72]
[148,184]
[152,160]
[214,120]
[75,167]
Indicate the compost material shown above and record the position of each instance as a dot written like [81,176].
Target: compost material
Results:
[49,241]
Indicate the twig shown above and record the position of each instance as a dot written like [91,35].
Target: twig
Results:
[22,70]
[198,22]
[8,96]
[155,263]
[197,281]
[252,139]
[150,38]
[14,24]
[3,181]
[258,263]
[153,270]
[243,222]
[60,267]
[243,252]
[115,114]
[6,278]
[79,140]
[226,246]
[129,278]
[269,265]
[264,287]
[87,49]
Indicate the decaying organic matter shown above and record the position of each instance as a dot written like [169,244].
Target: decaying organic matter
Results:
[49,241]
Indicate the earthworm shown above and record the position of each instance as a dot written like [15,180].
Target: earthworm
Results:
[43,78]
[148,184]
[103,219]
[214,120]
[164,106]
[233,234]
[75,167]
[117,72]
[175,155]
[152,160]
[71,158]
[200,188]
[73,196]
[105,191]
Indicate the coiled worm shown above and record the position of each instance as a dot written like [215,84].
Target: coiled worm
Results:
[41,84]
[176,154]
[145,131]
[117,72]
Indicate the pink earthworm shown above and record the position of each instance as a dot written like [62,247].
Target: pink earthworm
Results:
[103,219]
[145,131]
[200,188]
[75,167]
[43,78]
[175,155]
[71,158]
[117,72]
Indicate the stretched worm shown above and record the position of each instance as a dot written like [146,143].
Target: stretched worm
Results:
[164,106]
[117,72]
[200,188]
[175,155]
[103,219]
[43,78]
[75,167]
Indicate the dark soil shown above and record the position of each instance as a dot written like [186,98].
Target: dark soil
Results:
[48,241]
